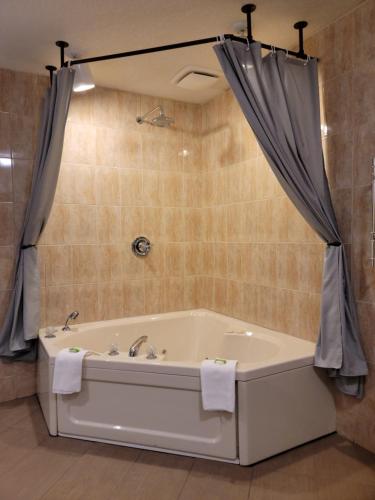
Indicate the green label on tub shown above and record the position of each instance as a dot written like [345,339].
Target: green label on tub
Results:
[74,349]
[220,361]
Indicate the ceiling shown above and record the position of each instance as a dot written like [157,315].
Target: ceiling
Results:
[29,29]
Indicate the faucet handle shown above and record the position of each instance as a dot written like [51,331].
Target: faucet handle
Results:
[113,350]
[151,352]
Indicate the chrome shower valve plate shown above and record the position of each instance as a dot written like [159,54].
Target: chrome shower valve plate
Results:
[141,246]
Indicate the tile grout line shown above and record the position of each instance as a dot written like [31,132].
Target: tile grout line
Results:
[251,482]
[60,476]
[127,471]
[43,495]
[186,479]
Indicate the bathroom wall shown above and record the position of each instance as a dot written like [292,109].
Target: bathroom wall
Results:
[20,106]
[347,74]
[120,180]
[267,262]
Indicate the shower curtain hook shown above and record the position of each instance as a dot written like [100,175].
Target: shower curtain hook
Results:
[222,38]
[273,50]
[308,59]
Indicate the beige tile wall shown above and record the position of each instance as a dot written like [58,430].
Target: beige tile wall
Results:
[20,105]
[266,262]
[120,180]
[347,75]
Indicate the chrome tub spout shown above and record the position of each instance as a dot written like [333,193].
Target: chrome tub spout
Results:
[134,348]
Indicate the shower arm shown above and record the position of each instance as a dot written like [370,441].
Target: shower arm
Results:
[247,9]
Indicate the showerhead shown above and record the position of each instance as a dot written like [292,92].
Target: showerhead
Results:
[160,120]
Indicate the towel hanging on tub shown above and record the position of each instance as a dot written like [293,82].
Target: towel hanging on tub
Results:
[218,383]
[67,375]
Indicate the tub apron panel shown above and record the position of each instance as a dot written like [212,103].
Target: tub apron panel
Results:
[283,410]
[143,409]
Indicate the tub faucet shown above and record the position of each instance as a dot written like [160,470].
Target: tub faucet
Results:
[72,315]
[134,348]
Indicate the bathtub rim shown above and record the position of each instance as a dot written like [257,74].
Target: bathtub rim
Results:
[244,371]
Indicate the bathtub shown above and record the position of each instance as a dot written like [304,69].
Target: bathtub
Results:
[281,400]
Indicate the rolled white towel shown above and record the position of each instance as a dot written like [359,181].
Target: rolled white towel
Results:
[67,375]
[218,383]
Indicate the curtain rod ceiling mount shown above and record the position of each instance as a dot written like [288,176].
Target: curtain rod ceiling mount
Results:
[248,9]
[51,69]
[62,46]
[300,26]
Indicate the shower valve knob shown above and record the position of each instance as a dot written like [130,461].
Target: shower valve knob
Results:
[141,246]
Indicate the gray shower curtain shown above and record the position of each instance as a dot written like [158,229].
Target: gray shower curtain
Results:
[21,323]
[279,97]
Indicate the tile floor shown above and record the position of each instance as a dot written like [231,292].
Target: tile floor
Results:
[35,466]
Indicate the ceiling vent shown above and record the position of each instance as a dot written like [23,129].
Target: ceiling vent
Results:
[196,78]
[197,81]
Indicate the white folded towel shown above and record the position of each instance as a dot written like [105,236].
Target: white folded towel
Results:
[218,384]
[67,375]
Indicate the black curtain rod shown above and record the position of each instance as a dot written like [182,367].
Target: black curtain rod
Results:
[190,43]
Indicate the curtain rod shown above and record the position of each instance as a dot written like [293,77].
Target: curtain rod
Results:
[190,43]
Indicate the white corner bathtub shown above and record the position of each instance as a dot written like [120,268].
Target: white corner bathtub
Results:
[282,400]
